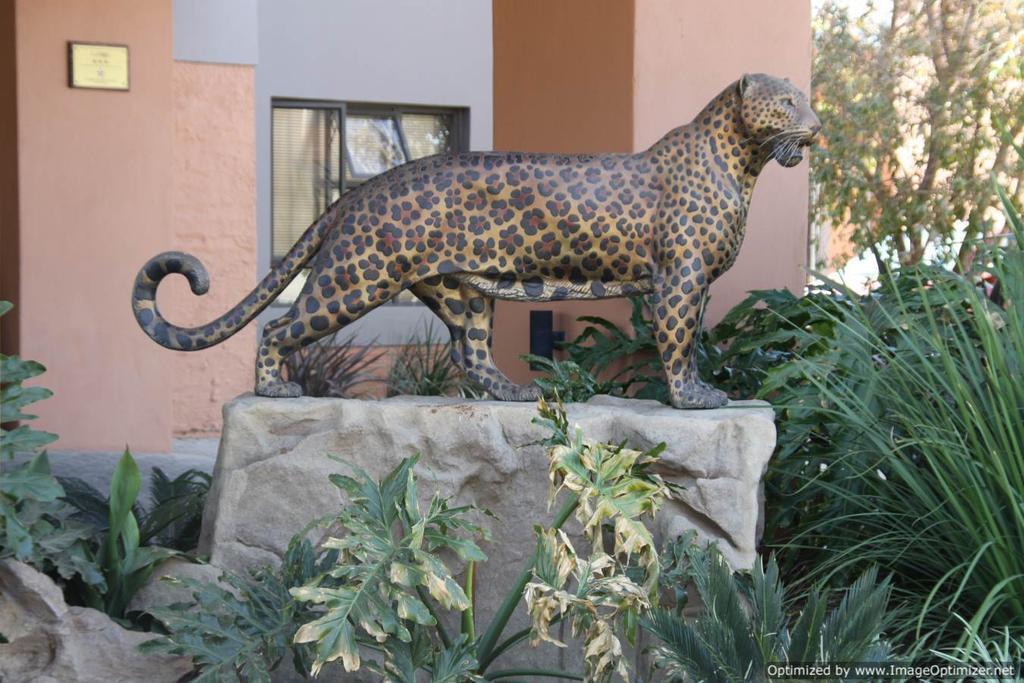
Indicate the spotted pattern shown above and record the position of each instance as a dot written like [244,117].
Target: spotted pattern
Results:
[462,230]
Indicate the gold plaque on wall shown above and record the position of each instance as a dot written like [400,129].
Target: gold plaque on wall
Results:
[98,66]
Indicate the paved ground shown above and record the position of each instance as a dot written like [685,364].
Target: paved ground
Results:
[97,468]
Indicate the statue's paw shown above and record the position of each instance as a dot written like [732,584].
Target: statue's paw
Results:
[516,392]
[529,392]
[698,395]
[279,390]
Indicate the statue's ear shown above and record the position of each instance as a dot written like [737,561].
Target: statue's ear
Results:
[744,84]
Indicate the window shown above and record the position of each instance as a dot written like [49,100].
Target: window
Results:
[305,170]
[320,150]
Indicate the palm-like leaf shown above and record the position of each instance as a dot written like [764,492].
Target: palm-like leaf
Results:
[743,628]
[766,601]
[682,654]
[176,515]
[852,627]
[804,640]
[725,629]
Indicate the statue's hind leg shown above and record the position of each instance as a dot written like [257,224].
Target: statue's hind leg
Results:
[469,316]
[321,309]
[274,348]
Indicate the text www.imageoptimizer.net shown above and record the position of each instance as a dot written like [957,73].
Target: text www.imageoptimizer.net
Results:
[933,671]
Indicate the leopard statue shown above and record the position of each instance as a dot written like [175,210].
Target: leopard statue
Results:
[462,230]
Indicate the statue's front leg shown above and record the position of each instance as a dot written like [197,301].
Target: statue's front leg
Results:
[677,301]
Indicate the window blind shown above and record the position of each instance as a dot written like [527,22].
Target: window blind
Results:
[306,153]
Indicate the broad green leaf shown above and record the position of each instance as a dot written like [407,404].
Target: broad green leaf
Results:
[410,607]
[23,439]
[18,541]
[455,664]
[15,397]
[14,370]
[384,567]
[31,480]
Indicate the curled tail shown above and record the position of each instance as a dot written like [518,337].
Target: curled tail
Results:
[204,336]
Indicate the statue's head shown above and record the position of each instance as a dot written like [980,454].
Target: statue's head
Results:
[777,116]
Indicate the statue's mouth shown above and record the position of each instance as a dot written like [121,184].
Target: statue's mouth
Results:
[790,151]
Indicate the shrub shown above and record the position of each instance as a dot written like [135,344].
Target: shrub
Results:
[743,626]
[991,647]
[424,367]
[332,368]
[36,525]
[99,567]
[173,520]
[565,379]
[902,443]
[603,346]
[243,628]
[601,594]
[734,356]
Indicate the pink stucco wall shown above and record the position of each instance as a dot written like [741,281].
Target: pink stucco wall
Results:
[95,188]
[686,51]
[107,180]
[213,211]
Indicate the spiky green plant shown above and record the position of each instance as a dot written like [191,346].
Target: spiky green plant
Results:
[333,367]
[175,517]
[743,625]
[423,366]
[921,407]
[991,647]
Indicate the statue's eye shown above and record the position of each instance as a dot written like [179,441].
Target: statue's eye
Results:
[788,101]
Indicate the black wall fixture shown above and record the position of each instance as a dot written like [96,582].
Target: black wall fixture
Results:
[543,335]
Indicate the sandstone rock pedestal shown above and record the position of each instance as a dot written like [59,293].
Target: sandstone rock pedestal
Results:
[271,474]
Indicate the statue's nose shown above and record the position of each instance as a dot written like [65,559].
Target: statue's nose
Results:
[815,124]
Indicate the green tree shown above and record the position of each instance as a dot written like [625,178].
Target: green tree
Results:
[919,102]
